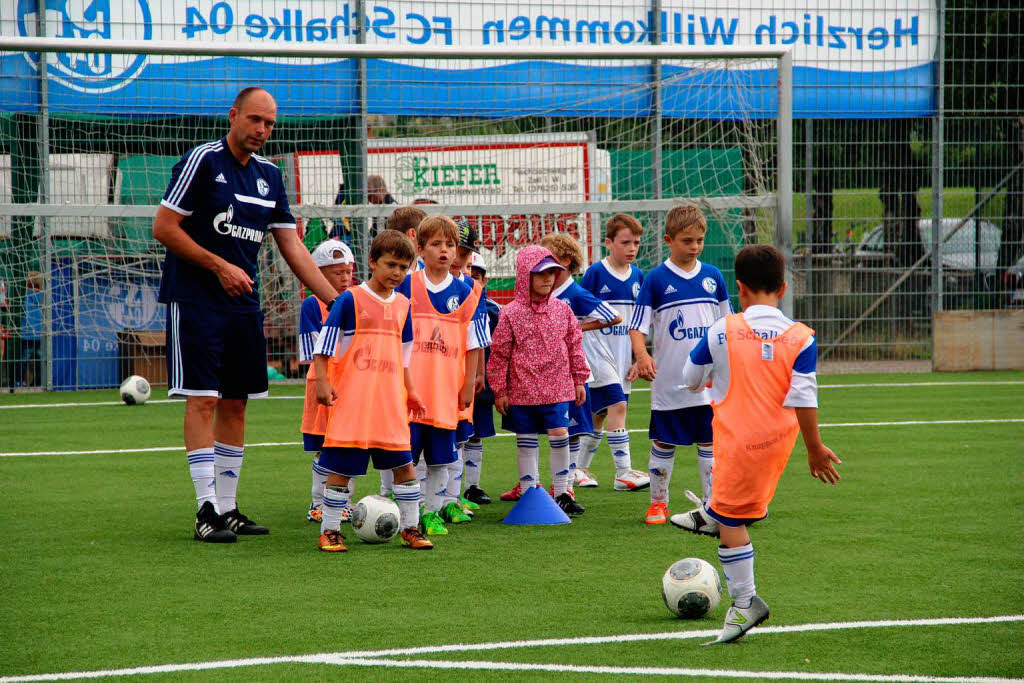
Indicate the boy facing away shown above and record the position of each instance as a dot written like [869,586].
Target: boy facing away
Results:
[762,369]
[678,301]
[537,369]
[335,261]
[615,281]
[370,329]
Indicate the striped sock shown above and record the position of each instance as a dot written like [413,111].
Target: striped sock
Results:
[527,460]
[336,498]
[705,461]
[660,467]
[453,489]
[200,466]
[589,448]
[387,482]
[316,493]
[407,495]
[574,457]
[559,463]
[738,567]
[228,463]
[474,454]
[618,441]
[437,482]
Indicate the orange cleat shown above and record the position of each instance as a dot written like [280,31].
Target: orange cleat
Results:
[331,542]
[413,538]
[657,514]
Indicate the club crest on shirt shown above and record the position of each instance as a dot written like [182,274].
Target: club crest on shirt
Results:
[262,187]
[453,303]
[636,289]
[709,285]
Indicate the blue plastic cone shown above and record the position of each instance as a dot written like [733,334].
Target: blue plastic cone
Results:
[536,507]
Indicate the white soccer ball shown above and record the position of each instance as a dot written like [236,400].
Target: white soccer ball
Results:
[376,519]
[691,588]
[135,390]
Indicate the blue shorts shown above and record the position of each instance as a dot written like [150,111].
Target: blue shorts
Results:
[464,432]
[682,426]
[602,398]
[483,419]
[581,421]
[215,352]
[536,419]
[437,445]
[731,521]
[352,462]
[312,443]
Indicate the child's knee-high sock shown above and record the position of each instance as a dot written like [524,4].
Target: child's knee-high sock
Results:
[387,482]
[559,463]
[407,495]
[527,457]
[618,441]
[437,481]
[454,487]
[660,466]
[319,480]
[738,566]
[473,452]
[705,461]
[575,448]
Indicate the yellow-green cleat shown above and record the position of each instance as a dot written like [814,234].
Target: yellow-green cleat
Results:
[432,524]
[466,503]
[454,514]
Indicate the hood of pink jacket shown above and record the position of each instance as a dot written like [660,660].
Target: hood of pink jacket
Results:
[526,259]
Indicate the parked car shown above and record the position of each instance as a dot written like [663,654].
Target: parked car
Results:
[958,253]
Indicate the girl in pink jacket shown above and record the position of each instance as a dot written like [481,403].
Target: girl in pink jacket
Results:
[536,369]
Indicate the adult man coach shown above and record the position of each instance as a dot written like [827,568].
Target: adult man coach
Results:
[219,205]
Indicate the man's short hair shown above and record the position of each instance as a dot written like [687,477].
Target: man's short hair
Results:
[243,95]
[564,247]
[405,218]
[434,225]
[685,217]
[761,268]
[620,222]
[392,242]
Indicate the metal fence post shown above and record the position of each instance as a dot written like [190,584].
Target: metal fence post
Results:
[784,186]
[937,167]
[656,120]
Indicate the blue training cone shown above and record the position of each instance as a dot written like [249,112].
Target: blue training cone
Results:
[536,507]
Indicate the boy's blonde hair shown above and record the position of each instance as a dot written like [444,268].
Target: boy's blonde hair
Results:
[620,222]
[563,246]
[432,225]
[405,218]
[685,217]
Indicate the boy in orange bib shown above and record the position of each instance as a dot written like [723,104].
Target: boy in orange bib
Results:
[370,329]
[762,369]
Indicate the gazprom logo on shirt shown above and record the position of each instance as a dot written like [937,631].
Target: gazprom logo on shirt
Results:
[615,330]
[678,330]
[223,225]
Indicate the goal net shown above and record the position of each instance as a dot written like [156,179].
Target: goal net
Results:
[89,131]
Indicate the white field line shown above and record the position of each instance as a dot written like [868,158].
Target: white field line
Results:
[638,390]
[358,657]
[268,444]
[735,674]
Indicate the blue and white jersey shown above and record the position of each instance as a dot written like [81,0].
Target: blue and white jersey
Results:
[586,307]
[448,295]
[608,350]
[228,209]
[675,308]
[709,360]
[309,327]
[480,318]
[340,327]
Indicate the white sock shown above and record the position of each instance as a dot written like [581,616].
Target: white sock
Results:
[200,466]
[228,462]
[660,467]
[574,458]
[336,498]
[474,456]
[590,444]
[454,487]
[421,476]
[738,567]
[407,496]
[559,463]
[527,460]
[437,480]
[387,482]
[618,442]
[705,461]
[316,493]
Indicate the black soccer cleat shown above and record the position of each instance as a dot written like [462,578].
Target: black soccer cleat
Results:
[242,525]
[476,495]
[569,505]
[210,527]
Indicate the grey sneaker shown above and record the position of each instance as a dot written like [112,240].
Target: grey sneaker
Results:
[696,521]
[739,620]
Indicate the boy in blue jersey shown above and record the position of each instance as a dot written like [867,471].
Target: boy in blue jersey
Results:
[615,281]
[483,406]
[335,260]
[678,301]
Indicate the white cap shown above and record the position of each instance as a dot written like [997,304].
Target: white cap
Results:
[478,262]
[332,253]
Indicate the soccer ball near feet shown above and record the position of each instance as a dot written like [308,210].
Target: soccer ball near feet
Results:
[375,519]
[135,390]
[691,588]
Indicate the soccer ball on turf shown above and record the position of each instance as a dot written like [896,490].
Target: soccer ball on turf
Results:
[375,519]
[691,588]
[135,390]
